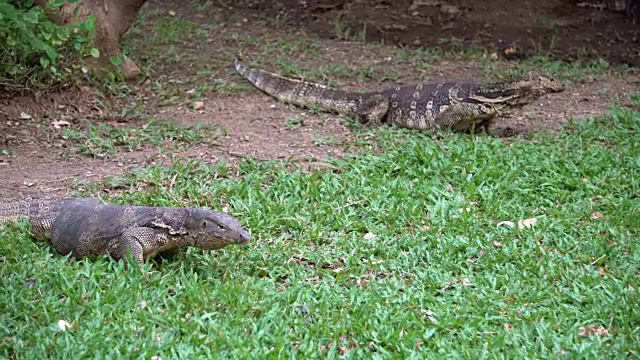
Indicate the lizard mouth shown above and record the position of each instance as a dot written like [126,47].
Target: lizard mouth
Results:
[244,238]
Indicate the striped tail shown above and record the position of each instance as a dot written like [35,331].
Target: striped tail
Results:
[14,210]
[40,212]
[300,92]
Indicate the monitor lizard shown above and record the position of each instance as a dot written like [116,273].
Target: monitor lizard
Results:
[431,106]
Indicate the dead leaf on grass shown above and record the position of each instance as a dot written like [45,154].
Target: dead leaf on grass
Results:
[601,271]
[599,331]
[426,312]
[369,236]
[497,244]
[597,215]
[506,223]
[64,325]
[527,223]
[372,262]
[197,105]
[58,124]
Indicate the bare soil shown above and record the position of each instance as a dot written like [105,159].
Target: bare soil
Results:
[567,29]
[38,160]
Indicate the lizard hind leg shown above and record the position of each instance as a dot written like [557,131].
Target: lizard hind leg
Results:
[372,110]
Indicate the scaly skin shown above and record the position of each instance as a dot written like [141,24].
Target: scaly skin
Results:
[455,106]
[89,228]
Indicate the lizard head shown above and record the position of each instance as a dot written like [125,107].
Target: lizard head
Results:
[214,230]
[517,91]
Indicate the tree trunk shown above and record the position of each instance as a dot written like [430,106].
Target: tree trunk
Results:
[113,19]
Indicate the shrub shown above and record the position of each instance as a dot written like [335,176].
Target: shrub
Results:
[35,53]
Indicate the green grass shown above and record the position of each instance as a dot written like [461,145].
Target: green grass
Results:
[438,280]
[102,140]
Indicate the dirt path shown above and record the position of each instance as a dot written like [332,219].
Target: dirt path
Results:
[37,156]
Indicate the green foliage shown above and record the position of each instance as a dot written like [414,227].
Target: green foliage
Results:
[438,280]
[35,52]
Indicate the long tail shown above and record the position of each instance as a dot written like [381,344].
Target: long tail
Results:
[301,93]
[28,208]
[14,210]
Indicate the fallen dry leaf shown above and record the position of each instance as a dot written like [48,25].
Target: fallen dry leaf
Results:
[372,262]
[426,313]
[599,331]
[369,236]
[64,325]
[466,282]
[507,223]
[601,271]
[59,124]
[526,223]
[198,105]
[597,215]
[497,244]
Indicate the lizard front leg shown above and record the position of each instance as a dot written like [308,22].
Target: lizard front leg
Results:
[142,242]
[464,116]
[372,109]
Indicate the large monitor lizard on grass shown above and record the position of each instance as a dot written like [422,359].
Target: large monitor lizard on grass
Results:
[88,228]
[437,106]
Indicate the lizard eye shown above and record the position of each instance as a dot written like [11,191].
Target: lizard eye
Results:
[204,224]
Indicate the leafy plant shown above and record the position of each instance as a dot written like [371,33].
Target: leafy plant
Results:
[35,53]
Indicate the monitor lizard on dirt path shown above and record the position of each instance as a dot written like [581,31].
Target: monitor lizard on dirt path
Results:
[437,106]
[88,228]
